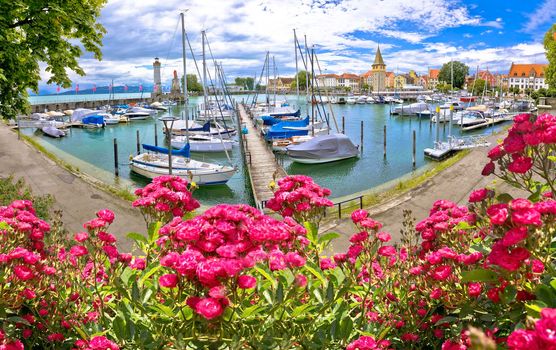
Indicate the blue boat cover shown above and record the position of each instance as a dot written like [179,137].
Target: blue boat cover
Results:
[205,127]
[184,151]
[93,119]
[281,131]
[274,118]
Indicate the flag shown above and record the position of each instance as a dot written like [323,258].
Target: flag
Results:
[76,88]
[140,87]
[155,88]
[58,89]
[94,87]
[125,87]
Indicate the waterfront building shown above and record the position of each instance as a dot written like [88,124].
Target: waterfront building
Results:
[432,80]
[423,81]
[328,81]
[157,81]
[175,92]
[389,80]
[233,88]
[399,82]
[378,72]
[281,84]
[527,76]
[349,81]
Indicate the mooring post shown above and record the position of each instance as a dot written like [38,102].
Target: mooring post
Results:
[361,136]
[343,125]
[138,147]
[414,148]
[384,141]
[437,126]
[155,134]
[116,171]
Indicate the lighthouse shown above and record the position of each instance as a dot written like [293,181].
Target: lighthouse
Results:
[157,81]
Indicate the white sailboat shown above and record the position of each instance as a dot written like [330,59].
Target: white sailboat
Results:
[157,160]
[202,143]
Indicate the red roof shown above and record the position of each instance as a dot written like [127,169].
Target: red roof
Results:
[349,76]
[433,73]
[526,70]
[328,75]
[367,74]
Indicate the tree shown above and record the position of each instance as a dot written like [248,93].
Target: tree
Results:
[444,88]
[460,72]
[479,86]
[248,83]
[193,84]
[303,76]
[52,32]
[550,47]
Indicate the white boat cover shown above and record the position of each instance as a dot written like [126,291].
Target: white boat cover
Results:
[324,147]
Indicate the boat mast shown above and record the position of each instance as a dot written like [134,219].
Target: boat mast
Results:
[296,67]
[275,78]
[185,96]
[204,72]
[451,105]
[307,73]
[267,80]
[312,92]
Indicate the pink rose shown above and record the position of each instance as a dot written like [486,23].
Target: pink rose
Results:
[23,272]
[301,280]
[514,235]
[498,213]
[522,339]
[474,289]
[387,250]
[442,272]
[209,308]
[520,165]
[246,282]
[78,250]
[478,195]
[488,169]
[169,280]
[106,215]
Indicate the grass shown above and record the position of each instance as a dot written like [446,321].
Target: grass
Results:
[11,189]
[123,193]
[373,199]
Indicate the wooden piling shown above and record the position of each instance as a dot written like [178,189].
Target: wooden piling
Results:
[155,134]
[414,148]
[361,131]
[343,125]
[138,143]
[116,171]
[384,141]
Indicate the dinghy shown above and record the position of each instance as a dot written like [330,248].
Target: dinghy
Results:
[53,131]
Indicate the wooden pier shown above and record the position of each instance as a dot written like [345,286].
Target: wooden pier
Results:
[259,159]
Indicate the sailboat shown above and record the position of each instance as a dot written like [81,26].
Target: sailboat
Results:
[202,143]
[157,160]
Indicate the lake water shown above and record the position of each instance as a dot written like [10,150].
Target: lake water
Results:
[92,152]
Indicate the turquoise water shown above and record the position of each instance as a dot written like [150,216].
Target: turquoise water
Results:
[92,152]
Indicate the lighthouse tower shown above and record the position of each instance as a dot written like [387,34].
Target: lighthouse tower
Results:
[157,81]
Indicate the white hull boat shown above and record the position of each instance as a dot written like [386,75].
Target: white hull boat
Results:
[411,109]
[53,131]
[151,165]
[323,149]
[201,143]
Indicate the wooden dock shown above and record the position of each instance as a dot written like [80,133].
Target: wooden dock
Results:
[259,159]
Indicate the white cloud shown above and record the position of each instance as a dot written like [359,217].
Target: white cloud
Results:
[544,14]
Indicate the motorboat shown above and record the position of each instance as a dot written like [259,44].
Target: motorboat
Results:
[351,100]
[469,117]
[181,127]
[158,106]
[138,113]
[410,109]
[323,149]
[155,163]
[53,131]
[202,143]
[110,119]
[281,144]
[361,99]
[89,118]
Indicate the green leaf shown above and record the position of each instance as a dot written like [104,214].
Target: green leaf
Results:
[553,284]
[149,273]
[316,273]
[251,310]
[547,295]
[266,275]
[280,293]
[330,292]
[478,275]
[533,309]
[463,225]
[137,237]
[327,237]
[504,198]
[312,232]
[153,231]
[447,319]
[300,310]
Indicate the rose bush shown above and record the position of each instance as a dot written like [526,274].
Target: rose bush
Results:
[468,276]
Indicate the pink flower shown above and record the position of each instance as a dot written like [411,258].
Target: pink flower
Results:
[526,217]
[520,165]
[359,237]
[474,289]
[478,195]
[387,250]
[546,327]
[55,337]
[514,235]
[23,272]
[327,264]
[496,153]
[209,308]
[246,282]
[301,280]
[106,215]
[29,294]
[488,169]
[359,215]
[295,260]
[101,343]
[169,280]
[522,339]
[383,237]
[537,266]
[138,264]
[441,272]
[363,343]
[498,213]
[78,250]
[81,236]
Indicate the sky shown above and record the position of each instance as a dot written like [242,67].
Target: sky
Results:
[415,34]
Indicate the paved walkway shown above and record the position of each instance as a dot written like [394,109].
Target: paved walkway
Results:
[454,184]
[78,200]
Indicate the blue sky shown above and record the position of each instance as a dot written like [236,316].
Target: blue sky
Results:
[415,34]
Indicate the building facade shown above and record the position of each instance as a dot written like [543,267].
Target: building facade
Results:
[378,73]
[350,81]
[156,77]
[280,84]
[527,76]
[433,78]
[328,81]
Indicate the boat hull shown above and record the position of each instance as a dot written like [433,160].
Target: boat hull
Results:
[205,147]
[200,177]
[318,161]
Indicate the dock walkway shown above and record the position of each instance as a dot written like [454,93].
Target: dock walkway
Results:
[260,160]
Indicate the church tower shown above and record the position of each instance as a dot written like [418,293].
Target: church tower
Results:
[378,72]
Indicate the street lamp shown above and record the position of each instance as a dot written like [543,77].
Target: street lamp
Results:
[168,131]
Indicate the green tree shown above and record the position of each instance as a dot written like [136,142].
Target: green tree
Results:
[444,88]
[52,32]
[248,83]
[460,72]
[303,76]
[478,87]
[550,47]
[193,85]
